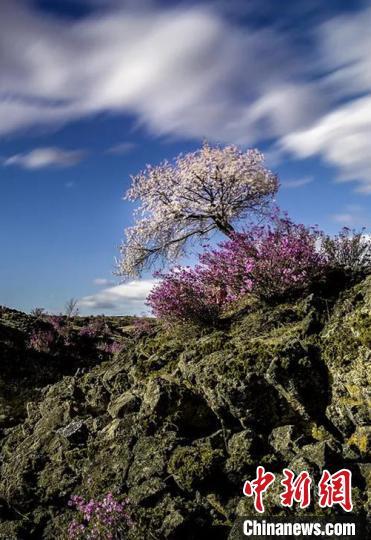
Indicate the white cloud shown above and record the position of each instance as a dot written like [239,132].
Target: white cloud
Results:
[216,79]
[343,219]
[103,282]
[190,71]
[352,216]
[297,183]
[126,299]
[345,43]
[284,107]
[122,148]
[342,139]
[46,157]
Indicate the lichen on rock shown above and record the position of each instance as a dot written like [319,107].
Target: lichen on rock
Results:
[180,418]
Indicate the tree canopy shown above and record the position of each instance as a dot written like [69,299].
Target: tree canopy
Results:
[186,199]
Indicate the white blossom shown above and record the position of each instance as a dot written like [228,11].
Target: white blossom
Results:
[187,199]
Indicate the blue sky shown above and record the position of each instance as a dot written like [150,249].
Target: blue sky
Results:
[92,91]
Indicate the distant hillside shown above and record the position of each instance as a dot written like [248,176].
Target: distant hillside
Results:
[179,418]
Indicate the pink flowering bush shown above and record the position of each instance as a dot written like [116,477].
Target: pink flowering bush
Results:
[185,294]
[98,520]
[112,347]
[88,332]
[41,341]
[59,336]
[286,259]
[94,329]
[268,261]
[143,327]
[57,322]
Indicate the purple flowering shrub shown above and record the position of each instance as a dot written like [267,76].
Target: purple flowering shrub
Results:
[186,294]
[267,261]
[111,347]
[104,519]
[94,329]
[287,259]
[60,336]
[56,322]
[41,341]
[88,331]
[50,335]
[143,327]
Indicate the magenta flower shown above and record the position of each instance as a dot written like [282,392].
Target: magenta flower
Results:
[98,519]
[267,261]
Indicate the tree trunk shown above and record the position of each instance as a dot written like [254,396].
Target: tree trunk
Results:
[225,227]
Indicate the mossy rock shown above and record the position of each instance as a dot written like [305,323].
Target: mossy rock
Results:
[245,449]
[192,466]
[182,416]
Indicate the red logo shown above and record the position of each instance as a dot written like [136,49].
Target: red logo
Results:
[296,489]
[332,489]
[336,489]
[258,487]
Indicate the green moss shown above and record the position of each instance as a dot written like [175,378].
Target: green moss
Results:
[319,433]
[361,438]
[193,465]
[182,415]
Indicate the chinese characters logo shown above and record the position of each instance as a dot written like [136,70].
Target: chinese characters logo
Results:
[332,489]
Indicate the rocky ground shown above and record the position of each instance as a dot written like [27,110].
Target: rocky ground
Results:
[180,418]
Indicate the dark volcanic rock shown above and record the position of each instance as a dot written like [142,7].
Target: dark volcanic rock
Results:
[180,418]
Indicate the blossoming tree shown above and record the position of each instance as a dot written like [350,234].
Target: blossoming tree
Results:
[187,199]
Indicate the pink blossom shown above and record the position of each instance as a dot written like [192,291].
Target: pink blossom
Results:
[99,519]
[267,261]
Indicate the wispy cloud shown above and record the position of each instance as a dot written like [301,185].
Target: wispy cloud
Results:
[122,148]
[46,157]
[103,282]
[218,79]
[341,137]
[344,218]
[207,83]
[127,299]
[297,183]
[353,215]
